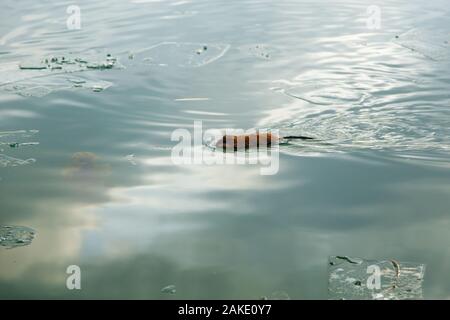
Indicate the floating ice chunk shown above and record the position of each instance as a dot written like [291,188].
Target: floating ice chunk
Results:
[349,279]
[101,65]
[192,99]
[98,86]
[72,62]
[41,86]
[77,82]
[13,139]
[93,85]
[430,43]
[30,65]
[16,236]
[279,295]
[131,159]
[187,55]
[20,144]
[171,289]
[321,92]
[40,77]
[17,134]
[28,89]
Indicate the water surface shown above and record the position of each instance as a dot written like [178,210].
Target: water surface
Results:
[95,178]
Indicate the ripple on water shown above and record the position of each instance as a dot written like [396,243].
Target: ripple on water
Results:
[393,128]
[7,161]
[376,110]
[15,139]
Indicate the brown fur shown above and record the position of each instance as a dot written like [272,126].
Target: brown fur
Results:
[246,141]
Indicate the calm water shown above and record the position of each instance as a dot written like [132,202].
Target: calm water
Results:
[379,187]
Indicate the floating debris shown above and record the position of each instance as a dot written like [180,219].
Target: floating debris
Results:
[360,279]
[16,236]
[171,289]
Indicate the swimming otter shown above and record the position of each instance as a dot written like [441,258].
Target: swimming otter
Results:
[235,142]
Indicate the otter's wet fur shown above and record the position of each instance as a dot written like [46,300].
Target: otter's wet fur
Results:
[254,140]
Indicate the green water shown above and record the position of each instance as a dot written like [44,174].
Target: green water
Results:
[94,178]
